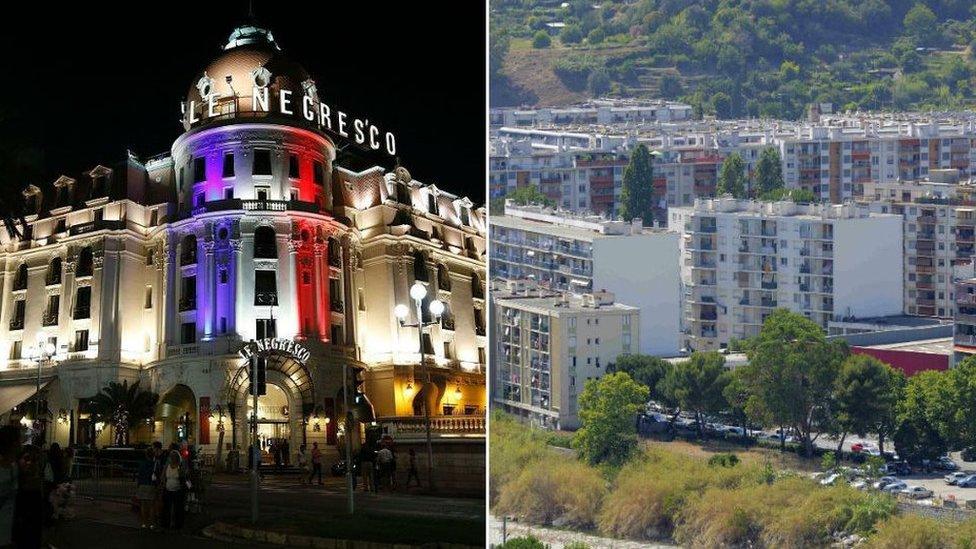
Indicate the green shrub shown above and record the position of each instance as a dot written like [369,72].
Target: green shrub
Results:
[561,488]
[541,40]
[573,71]
[527,542]
[723,460]
[911,532]
[576,545]
[562,440]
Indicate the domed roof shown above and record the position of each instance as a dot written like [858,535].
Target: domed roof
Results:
[250,59]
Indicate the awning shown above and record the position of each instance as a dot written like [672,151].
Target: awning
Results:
[14,394]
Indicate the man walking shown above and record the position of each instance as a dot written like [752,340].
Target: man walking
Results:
[316,463]
[412,473]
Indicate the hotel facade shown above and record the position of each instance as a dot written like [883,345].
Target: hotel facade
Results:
[162,271]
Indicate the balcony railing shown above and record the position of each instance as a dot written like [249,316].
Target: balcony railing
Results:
[81,311]
[188,303]
[50,318]
[413,427]
[336,306]
[17,323]
[266,298]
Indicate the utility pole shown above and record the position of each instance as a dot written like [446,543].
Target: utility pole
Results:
[428,385]
[349,464]
[255,448]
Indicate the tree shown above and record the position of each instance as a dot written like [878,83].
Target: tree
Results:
[644,369]
[863,396]
[791,374]
[123,405]
[769,171]
[696,385]
[722,104]
[530,194]
[887,421]
[732,177]
[670,86]
[541,40]
[800,196]
[608,409]
[921,23]
[571,34]
[962,383]
[736,395]
[924,417]
[598,82]
[637,194]
[596,36]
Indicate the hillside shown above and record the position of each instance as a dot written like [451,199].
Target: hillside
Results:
[736,58]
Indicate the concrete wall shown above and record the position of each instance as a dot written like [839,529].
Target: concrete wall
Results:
[868,279]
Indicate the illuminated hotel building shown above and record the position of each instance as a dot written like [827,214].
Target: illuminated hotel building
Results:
[161,271]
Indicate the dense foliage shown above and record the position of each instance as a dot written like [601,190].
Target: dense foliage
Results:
[771,58]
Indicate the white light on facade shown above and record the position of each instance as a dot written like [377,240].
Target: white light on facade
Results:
[436,307]
[401,311]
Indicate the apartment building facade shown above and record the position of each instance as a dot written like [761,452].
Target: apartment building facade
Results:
[742,259]
[583,254]
[547,345]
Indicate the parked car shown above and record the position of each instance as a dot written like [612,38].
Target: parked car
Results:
[916,492]
[968,482]
[859,484]
[897,468]
[884,481]
[830,479]
[945,464]
[894,487]
[955,477]
[969,454]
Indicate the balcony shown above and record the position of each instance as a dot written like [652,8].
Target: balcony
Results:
[188,303]
[17,323]
[50,318]
[413,428]
[266,298]
[188,257]
[336,306]
[259,205]
[81,312]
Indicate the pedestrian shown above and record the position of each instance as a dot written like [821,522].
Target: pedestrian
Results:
[175,484]
[29,506]
[286,452]
[384,466]
[303,465]
[69,463]
[159,466]
[276,453]
[9,446]
[53,476]
[367,465]
[146,489]
[316,463]
[412,472]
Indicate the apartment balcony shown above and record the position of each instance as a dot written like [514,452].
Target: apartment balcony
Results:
[50,318]
[926,219]
[769,286]
[768,303]
[188,304]
[965,339]
[925,285]
[927,235]
[413,428]
[925,269]
[17,323]
[266,299]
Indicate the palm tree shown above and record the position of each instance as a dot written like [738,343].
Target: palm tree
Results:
[20,164]
[123,405]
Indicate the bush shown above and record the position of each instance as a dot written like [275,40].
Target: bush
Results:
[596,36]
[723,460]
[527,542]
[562,489]
[562,440]
[576,545]
[573,71]
[598,82]
[571,34]
[541,40]
[514,447]
[910,532]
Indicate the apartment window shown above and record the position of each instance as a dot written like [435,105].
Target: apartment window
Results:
[188,294]
[481,355]
[188,333]
[432,203]
[228,168]
[222,275]
[83,303]
[448,351]
[465,216]
[293,166]
[335,333]
[265,328]
[153,218]
[20,282]
[262,193]
[318,170]
[262,162]
[228,193]
[198,200]
[150,257]
[16,349]
[61,226]
[148,298]
[265,245]
[199,169]
[265,288]
[53,310]
[81,340]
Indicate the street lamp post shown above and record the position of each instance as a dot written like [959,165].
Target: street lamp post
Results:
[41,354]
[418,292]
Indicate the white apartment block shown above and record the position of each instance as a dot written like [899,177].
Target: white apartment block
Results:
[595,112]
[547,346]
[938,241]
[742,259]
[582,254]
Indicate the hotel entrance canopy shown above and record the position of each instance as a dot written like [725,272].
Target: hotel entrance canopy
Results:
[16,393]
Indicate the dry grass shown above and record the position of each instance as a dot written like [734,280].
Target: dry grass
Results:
[749,456]
[563,489]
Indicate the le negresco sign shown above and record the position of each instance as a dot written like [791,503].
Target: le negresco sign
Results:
[266,346]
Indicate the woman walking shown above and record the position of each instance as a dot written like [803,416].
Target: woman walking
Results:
[175,484]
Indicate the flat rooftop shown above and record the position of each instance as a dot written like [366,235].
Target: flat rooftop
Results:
[940,346]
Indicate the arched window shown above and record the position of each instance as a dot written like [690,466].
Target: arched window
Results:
[335,253]
[476,290]
[54,272]
[188,251]
[20,282]
[86,262]
[265,246]
[420,271]
[443,277]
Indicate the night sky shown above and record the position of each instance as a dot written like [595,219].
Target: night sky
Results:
[81,82]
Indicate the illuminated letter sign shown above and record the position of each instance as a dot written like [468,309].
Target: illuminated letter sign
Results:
[266,346]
